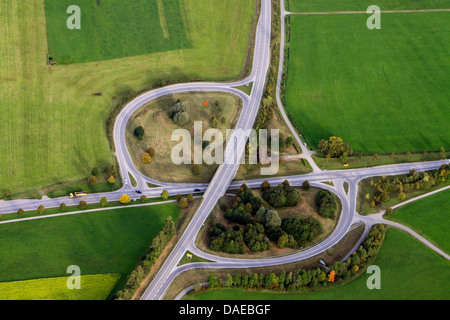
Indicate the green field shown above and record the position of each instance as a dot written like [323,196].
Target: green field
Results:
[362,5]
[53,127]
[380,90]
[409,270]
[114,29]
[93,287]
[104,242]
[429,217]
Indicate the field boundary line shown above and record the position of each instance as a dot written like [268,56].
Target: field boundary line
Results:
[365,12]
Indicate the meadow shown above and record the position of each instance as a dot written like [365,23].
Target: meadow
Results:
[382,91]
[429,217]
[362,5]
[53,120]
[421,275]
[114,29]
[93,287]
[103,242]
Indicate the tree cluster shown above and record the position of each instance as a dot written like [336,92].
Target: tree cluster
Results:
[179,113]
[327,204]
[282,195]
[335,147]
[401,186]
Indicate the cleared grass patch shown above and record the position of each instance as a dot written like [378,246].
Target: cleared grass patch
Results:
[378,98]
[93,287]
[159,127]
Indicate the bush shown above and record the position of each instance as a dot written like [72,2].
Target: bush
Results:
[139,132]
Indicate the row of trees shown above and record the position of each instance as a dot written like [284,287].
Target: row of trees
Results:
[157,246]
[303,280]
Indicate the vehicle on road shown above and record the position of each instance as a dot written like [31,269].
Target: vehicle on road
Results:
[138,191]
[197,190]
[78,195]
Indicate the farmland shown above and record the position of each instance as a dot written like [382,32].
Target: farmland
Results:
[382,91]
[422,275]
[54,117]
[93,287]
[361,5]
[111,241]
[114,29]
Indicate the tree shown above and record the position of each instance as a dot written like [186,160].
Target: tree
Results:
[20,212]
[229,280]
[62,207]
[83,205]
[103,202]
[265,186]
[289,141]
[151,151]
[41,209]
[111,180]
[143,198]
[331,276]
[165,195]
[181,118]
[190,197]
[214,281]
[92,180]
[183,203]
[95,172]
[146,158]
[306,185]
[139,133]
[402,196]
[125,199]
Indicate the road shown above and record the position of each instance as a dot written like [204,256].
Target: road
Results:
[222,180]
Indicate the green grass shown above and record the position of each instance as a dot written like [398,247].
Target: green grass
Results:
[115,29]
[429,217]
[409,270]
[361,5]
[53,127]
[93,287]
[382,90]
[100,242]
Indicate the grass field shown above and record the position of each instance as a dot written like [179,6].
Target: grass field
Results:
[380,90]
[362,5]
[99,243]
[114,29]
[429,217]
[409,271]
[93,287]
[53,127]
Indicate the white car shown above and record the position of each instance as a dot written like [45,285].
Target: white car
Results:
[126,181]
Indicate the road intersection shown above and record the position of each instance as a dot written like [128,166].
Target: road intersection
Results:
[223,178]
